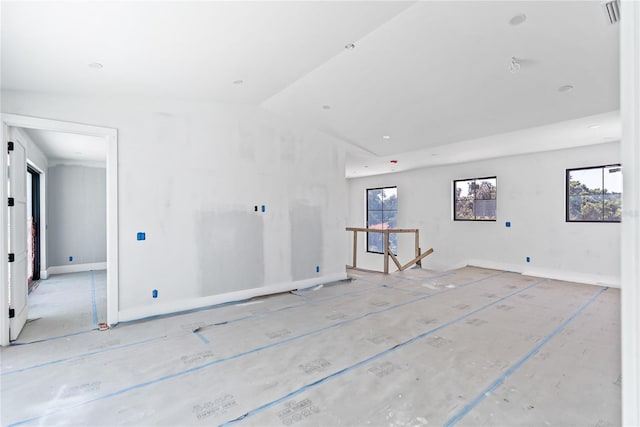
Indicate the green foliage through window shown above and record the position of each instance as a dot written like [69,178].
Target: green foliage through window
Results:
[594,194]
[382,213]
[475,199]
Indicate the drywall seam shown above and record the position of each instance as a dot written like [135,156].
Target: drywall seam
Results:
[62,269]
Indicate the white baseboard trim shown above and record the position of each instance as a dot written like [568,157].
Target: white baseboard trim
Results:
[158,308]
[74,268]
[572,276]
[547,273]
[44,274]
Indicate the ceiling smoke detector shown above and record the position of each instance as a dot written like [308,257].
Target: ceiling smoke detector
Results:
[565,88]
[350,46]
[95,65]
[612,11]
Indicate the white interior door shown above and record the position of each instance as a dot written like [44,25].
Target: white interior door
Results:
[18,285]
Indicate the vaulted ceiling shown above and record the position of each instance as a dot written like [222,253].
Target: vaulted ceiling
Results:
[424,83]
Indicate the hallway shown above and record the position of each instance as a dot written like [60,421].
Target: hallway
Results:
[65,304]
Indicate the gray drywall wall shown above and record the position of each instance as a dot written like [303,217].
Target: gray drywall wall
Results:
[531,197]
[76,215]
[194,177]
[230,251]
[306,240]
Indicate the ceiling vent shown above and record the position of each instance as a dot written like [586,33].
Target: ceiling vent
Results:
[612,11]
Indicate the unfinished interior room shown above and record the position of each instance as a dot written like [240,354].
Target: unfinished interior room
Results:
[327,213]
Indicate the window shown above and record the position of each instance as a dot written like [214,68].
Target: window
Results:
[594,194]
[382,213]
[475,199]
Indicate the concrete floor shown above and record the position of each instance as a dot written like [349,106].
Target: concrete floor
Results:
[466,347]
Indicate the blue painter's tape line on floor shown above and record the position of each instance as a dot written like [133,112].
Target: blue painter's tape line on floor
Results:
[422,279]
[498,382]
[201,337]
[376,356]
[407,291]
[291,339]
[80,356]
[93,301]
[53,338]
[462,285]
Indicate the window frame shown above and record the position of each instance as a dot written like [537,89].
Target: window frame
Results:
[566,197]
[382,210]
[475,179]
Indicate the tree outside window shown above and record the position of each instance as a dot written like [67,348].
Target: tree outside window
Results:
[594,194]
[382,214]
[475,199]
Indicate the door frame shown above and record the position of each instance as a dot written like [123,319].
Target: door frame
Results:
[42,228]
[37,218]
[111,137]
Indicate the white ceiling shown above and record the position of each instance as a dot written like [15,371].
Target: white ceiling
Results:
[430,75]
[69,147]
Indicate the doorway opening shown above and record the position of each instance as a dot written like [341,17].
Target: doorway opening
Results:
[33,226]
[36,231]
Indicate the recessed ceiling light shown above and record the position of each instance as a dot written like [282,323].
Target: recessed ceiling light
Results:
[594,126]
[326,107]
[350,46]
[238,82]
[386,137]
[518,19]
[366,166]
[95,65]
[565,88]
